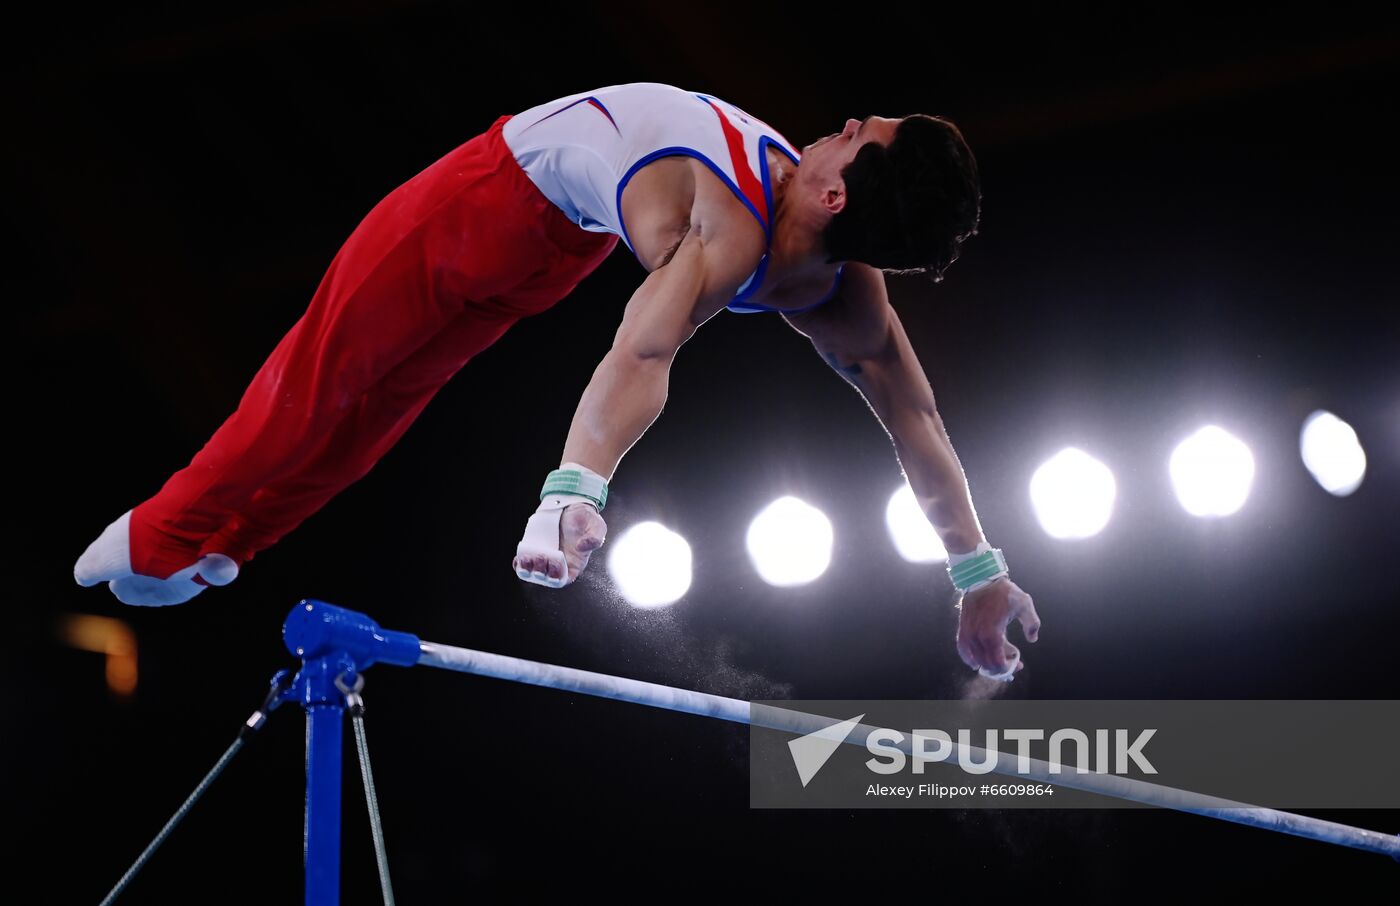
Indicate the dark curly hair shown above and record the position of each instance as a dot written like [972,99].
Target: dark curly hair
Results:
[909,204]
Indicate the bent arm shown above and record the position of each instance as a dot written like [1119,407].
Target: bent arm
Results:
[860,336]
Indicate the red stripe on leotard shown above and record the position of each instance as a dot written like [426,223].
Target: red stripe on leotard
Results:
[749,184]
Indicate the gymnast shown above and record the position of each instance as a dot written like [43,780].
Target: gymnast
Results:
[721,211]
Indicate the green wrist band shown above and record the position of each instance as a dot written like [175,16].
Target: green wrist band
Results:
[580,482]
[982,568]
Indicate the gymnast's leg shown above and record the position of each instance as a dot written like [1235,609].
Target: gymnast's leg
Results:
[356,370]
[373,425]
[392,287]
[385,412]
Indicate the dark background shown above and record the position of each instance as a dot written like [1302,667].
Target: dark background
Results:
[1187,218]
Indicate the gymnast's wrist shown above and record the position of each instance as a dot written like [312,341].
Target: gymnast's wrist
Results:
[977,568]
[574,483]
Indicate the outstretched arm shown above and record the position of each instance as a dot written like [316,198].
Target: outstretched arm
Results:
[629,387]
[860,336]
[630,384]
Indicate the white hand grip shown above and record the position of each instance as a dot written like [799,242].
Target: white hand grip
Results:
[542,540]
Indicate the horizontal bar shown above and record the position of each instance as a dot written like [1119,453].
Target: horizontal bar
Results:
[465,660]
[534,673]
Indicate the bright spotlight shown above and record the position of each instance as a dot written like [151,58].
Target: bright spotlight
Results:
[913,535]
[1332,453]
[790,542]
[1212,471]
[650,564]
[1072,494]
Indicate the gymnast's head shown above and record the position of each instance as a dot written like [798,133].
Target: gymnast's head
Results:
[898,193]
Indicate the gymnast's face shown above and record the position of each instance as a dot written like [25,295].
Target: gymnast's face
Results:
[823,160]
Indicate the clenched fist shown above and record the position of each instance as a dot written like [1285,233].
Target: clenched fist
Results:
[555,549]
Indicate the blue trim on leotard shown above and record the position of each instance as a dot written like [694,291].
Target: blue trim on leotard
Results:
[754,308]
[756,278]
[680,151]
[750,286]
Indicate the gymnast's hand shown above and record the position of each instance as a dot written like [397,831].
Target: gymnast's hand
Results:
[581,530]
[985,614]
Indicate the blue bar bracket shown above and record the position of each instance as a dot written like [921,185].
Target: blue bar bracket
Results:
[315,629]
[332,643]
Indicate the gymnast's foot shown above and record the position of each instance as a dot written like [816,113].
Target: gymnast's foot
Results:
[108,559]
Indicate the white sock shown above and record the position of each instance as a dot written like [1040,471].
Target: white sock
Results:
[109,557]
[145,591]
[148,591]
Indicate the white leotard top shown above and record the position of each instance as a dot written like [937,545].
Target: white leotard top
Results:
[582,150]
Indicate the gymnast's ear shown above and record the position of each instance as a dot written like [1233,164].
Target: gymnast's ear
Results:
[834,199]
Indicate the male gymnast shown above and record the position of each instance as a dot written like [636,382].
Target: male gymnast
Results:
[720,210]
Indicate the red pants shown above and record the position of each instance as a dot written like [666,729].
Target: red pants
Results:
[434,274]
